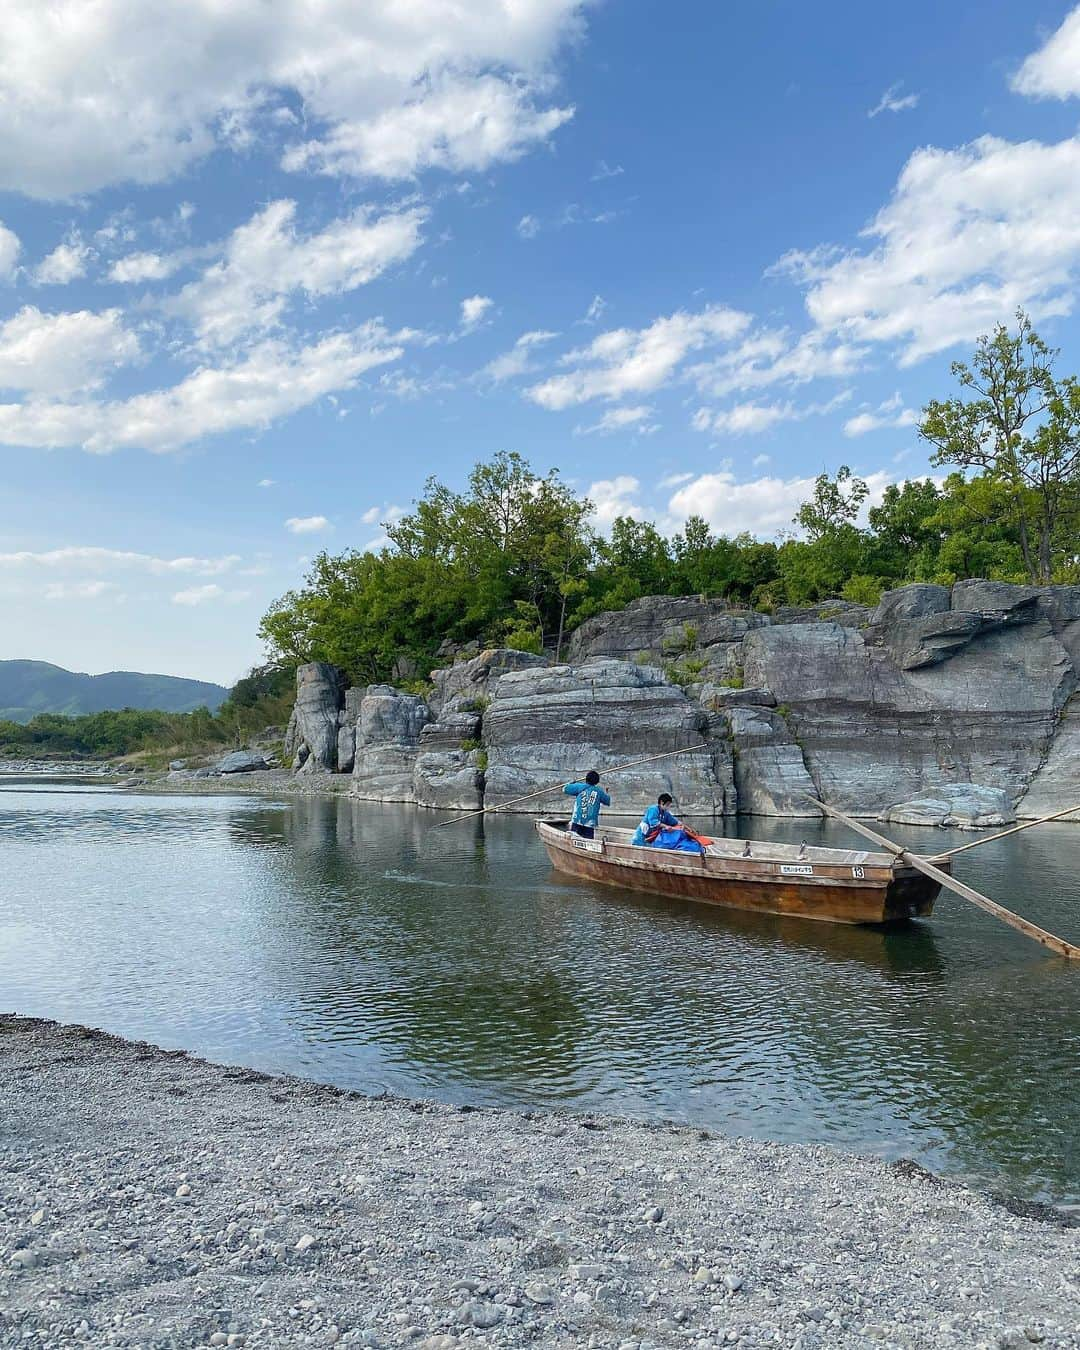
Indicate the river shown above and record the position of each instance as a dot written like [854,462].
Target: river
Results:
[354,943]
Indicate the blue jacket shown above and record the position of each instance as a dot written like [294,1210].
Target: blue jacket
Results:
[589,801]
[654,815]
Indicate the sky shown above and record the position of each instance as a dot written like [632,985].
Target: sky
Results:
[267,265]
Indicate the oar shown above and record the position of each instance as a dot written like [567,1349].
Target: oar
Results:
[1030,930]
[557,787]
[988,838]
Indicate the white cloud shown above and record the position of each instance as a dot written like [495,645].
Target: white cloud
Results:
[893,101]
[58,354]
[474,309]
[614,497]
[605,170]
[461,125]
[95,559]
[138,267]
[969,236]
[891,413]
[759,461]
[80,590]
[597,305]
[9,253]
[750,419]
[762,506]
[266,261]
[272,381]
[307,524]
[265,482]
[634,419]
[528,227]
[768,357]
[674,480]
[628,361]
[517,361]
[1054,70]
[201,595]
[93,98]
[67,262]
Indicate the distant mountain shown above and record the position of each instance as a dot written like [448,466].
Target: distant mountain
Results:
[31,687]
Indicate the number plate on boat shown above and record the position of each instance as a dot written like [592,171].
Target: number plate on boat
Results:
[589,845]
[791,870]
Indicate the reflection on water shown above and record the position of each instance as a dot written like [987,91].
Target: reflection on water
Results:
[355,943]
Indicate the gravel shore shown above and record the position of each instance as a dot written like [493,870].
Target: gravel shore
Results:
[149,1198]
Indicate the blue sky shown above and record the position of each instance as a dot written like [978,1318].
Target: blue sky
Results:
[259,280]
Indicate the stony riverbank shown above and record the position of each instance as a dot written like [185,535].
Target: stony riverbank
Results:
[148,1198]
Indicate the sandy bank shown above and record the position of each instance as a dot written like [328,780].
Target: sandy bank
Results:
[148,1198]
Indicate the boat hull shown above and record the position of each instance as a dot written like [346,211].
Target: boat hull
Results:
[856,888]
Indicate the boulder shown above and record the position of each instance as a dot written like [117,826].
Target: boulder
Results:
[320,696]
[911,602]
[926,640]
[997,602]
[547,726]
[661,627]
[241,761]
[967,805]
[387,739]
[771,777]
[177,763]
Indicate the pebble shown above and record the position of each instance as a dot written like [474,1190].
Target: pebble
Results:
[446,1230]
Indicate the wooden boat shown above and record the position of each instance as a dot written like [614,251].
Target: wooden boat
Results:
[835,885]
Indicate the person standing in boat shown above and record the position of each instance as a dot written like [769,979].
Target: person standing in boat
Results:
[589,799]
[655,818]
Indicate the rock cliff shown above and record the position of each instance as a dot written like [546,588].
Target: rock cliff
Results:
[937,692]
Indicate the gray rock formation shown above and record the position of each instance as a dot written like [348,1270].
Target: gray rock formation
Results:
[967,805]
[873,732]
[544,726]
[1056,785]
[770,775]
[933,691]
[387,740]
[241,761]
[312,735]
[661,627]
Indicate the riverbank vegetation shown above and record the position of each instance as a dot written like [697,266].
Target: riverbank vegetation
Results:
[514,560]
[260,700]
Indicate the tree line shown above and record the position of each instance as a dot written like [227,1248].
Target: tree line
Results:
[513,559]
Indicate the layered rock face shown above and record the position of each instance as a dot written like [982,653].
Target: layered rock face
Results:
[964,699]
[555,724]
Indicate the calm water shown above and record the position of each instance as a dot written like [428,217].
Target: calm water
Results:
[355,944]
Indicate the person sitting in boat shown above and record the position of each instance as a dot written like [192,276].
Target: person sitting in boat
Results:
[655,817]
[590,797]
[660,829]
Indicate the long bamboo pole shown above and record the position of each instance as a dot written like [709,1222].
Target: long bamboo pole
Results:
[556,787]
[1031,930]
[1001,834]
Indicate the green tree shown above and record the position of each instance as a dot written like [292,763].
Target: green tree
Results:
[1021,428]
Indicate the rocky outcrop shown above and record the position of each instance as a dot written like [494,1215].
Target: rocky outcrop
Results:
[936,693]
[661,627]
[770,774]
[967,805]
[311,738]
[875,729]
[241,761]
[387,743]
[544,726]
